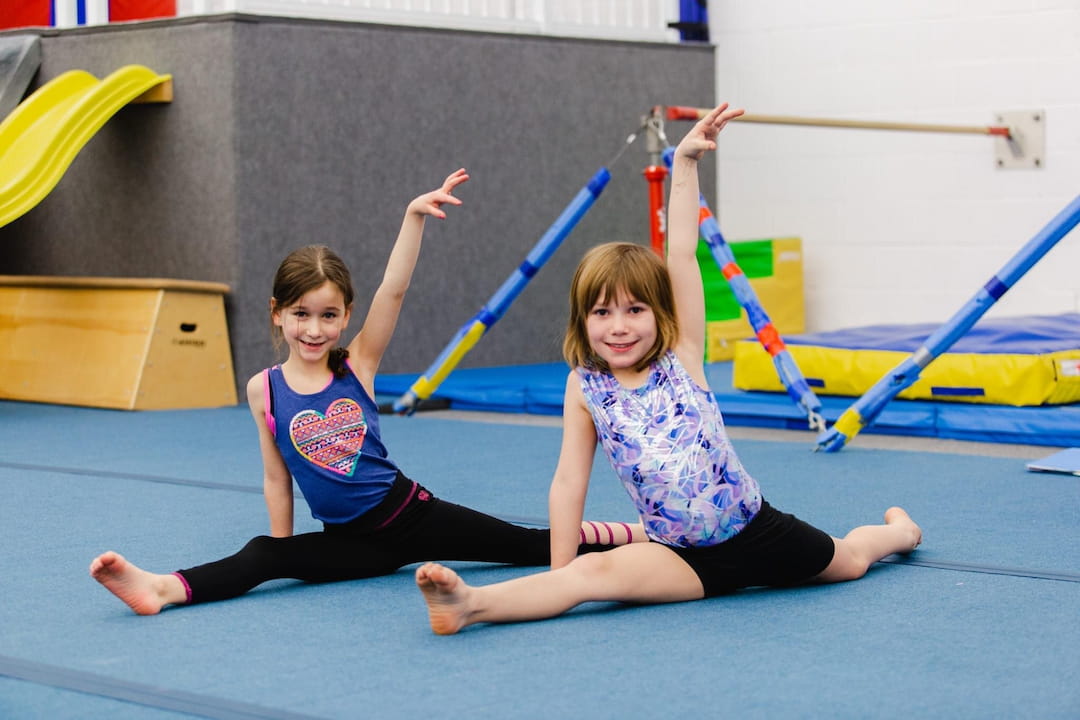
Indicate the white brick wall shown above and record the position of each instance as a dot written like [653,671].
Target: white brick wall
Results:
[897,226]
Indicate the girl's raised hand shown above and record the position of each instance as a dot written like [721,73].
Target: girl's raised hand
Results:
[431,203]
[702,137]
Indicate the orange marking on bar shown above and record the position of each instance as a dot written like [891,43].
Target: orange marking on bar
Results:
[770,338]
[681,112]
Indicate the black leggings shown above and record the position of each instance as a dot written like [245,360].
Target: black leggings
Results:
[410,525]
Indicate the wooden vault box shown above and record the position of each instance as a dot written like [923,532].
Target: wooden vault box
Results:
[124,343]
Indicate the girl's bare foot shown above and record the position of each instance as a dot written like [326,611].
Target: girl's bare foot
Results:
[446,595]
[899,516]
[144,592]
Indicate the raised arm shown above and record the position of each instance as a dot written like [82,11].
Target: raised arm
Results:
[566,498]
[683,229]
[367,348]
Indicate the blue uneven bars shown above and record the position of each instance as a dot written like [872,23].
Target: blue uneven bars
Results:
[786,367]
[866,408]
[471,332]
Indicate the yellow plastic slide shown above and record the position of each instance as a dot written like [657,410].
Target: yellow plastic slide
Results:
[41,137]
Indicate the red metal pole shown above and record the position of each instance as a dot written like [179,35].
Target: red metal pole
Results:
[656,174]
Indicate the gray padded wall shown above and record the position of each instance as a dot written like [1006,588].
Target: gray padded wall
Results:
[285,132]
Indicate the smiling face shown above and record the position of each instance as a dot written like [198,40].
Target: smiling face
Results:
[622,310]
[622,331]
[313,324]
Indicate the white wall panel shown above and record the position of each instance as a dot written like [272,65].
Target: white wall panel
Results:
[901,226]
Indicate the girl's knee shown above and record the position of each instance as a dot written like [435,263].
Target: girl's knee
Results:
[591,565]
[847,564]
[259,543]
[258,547]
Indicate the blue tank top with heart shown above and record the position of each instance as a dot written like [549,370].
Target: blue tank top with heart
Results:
[330,442]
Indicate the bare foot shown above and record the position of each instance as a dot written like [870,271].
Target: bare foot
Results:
[446,595]
[144,592]
[899,516]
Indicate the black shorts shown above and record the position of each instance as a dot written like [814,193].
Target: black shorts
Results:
[775,549]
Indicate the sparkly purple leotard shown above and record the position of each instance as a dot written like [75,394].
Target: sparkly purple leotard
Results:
[666,442]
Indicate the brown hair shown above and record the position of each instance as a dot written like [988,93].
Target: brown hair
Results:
[604,272]
[302,271]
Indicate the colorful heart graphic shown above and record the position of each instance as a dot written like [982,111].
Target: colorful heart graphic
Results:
[331,441]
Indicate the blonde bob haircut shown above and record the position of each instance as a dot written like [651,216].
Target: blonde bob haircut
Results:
[606,271]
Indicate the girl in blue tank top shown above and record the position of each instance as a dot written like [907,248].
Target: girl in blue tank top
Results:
[636,343]
[318,425]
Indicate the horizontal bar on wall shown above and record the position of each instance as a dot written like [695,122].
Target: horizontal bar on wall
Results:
[1018,144]
[677,112]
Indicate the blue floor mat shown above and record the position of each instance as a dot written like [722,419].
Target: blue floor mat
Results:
[538,389]
[974,625]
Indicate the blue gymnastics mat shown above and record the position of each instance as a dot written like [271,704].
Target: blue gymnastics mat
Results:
[980,622]
[538,389]
[1029,334]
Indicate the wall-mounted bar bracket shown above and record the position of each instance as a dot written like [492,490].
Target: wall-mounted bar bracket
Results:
[1025,146]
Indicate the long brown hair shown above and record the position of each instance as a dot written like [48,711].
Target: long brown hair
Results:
[604,272]
[302,271]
